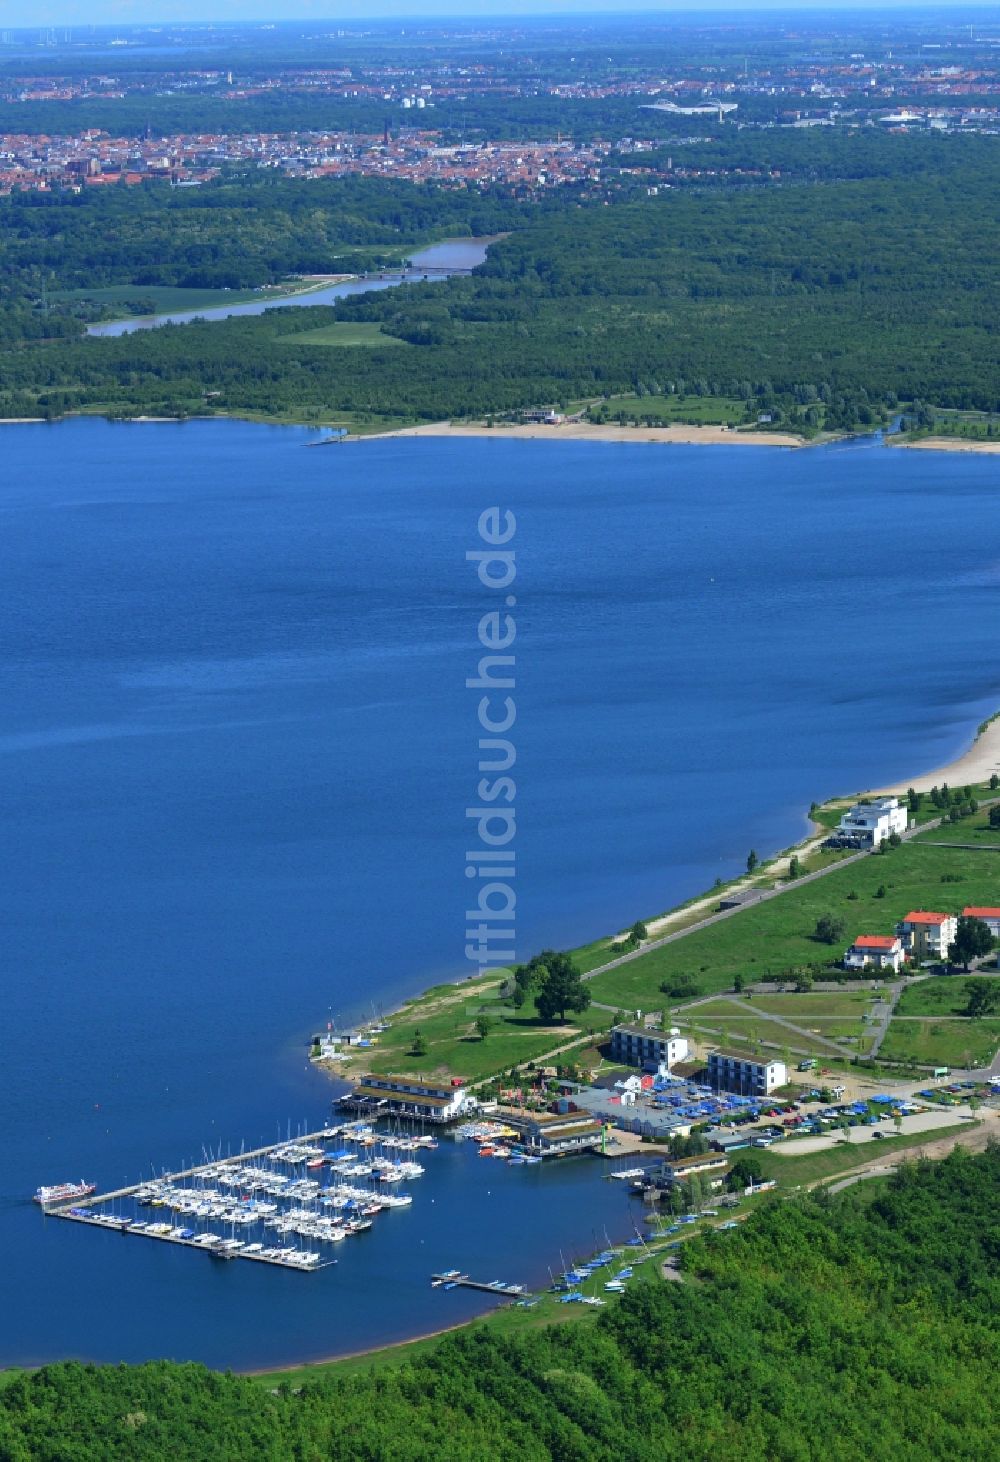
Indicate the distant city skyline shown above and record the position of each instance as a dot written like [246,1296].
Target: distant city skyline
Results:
[32,15]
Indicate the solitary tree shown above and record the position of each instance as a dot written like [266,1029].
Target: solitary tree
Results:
[829,929]
[561,989]
[972,940]
[483,1026]
[995,816]
[418,1046]
[794,866]
[738,983]
[982,997]
[752,860]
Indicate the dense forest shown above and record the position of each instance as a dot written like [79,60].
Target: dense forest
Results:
[834,1329]
[820,304]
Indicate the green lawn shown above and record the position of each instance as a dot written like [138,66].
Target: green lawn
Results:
[709,410]
[968,830]
[939,995]
[347,332]
[766,940]
[445,1017]
[933,1042]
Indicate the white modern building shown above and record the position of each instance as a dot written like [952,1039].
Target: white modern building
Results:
[883,951]
[746,1075]
[397,1096]
[634,1045]
[927,935]
[869,823]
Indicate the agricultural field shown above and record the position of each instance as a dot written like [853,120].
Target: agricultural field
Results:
[767,940]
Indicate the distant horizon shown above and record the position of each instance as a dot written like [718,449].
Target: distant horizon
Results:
[23,15]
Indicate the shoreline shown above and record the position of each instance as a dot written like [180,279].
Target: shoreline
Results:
[681,435]
[580,431]
[977,764]
[949,444]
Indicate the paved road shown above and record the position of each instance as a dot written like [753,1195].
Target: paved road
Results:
[765,893]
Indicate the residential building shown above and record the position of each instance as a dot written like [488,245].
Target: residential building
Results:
[883,951]
[634,1045]
[557,1134]
[927,935]
[748,1075]
[400,1097]
[869,823]
[990,917]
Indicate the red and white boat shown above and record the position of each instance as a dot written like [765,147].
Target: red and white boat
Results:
[64,1193]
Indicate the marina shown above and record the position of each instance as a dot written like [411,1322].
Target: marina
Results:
[273,1188]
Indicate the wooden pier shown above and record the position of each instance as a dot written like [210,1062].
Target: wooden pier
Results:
[462,1281]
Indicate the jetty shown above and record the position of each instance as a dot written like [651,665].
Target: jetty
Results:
[244,1181]
[455,1279]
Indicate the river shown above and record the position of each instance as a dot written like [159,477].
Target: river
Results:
[437,261]
[237,747]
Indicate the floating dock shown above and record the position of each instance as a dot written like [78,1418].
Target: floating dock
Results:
[453,1278]
[288,1152]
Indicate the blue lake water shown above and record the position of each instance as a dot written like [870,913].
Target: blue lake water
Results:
[236,749]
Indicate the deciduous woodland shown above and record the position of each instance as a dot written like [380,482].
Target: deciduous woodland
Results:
[825,299]
[826,1327]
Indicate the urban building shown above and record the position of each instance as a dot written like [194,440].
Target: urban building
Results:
[869,823]
[635,1045]
[990,917]
[927,935]
[747,1075]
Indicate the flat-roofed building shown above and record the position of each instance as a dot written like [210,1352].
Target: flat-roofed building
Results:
[635,1045]
[869,823]
[747,1075]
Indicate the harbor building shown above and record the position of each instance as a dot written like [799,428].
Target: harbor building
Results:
[884,951]
[869,823]
[557,1134]
[634,1045]
[927,935]
[391,1096]
[747,1075]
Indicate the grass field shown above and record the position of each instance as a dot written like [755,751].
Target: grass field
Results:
[446,1019]
[940,995]
[348,332]
[167,298]
[766,940]
[942,1042]
[969,830]
[707,410]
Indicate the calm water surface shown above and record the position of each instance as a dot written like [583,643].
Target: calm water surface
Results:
[236,750]
[451,256]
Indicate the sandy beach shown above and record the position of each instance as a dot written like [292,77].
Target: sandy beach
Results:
[975,765]
[947,444]
[585,431]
